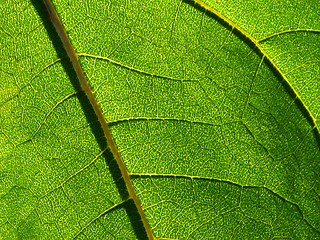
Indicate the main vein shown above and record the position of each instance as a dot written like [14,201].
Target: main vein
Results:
[104,125]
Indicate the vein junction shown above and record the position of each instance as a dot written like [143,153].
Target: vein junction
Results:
[55,20]
[257,44]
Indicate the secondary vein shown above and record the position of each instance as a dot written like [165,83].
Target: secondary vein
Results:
[104,125]
[257,44]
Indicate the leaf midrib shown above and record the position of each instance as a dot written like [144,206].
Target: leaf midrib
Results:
[73,57]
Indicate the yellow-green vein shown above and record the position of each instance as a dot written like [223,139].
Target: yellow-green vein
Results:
[257,44]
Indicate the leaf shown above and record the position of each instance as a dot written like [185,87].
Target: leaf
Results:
[213,106]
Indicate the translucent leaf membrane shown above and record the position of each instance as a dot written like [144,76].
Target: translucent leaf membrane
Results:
[220,140]
[186,96]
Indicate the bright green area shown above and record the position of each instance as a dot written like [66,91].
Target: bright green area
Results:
[53,180]
[217,145]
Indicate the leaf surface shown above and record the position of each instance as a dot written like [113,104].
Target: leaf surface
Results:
[214,107]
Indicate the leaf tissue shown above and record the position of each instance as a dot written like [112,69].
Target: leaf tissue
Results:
[159,119]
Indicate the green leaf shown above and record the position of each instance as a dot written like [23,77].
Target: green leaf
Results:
[213,106]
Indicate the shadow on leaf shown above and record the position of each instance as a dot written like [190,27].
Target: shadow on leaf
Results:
[92,120]
[276,73]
